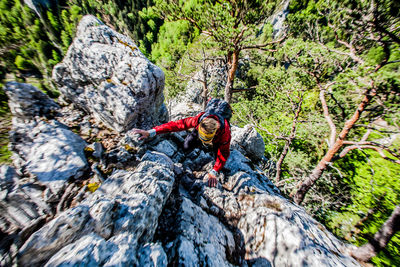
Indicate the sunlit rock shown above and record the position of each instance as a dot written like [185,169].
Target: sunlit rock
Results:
[105,74]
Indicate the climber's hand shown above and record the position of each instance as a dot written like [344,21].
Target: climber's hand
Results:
[144,134]
[212,180]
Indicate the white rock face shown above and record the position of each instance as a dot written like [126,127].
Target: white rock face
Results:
[111,226]
[274,230]
[216,79]
[182,110]
[105,74]
[26,101]
[153,255]
[21,205]
[49,151]
[203,240]
[248,141]
[45,149]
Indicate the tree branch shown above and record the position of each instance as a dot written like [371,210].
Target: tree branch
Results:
[375,129]
[351,54]
[367,145]
[327,116]
[260,46]
[266,131]
[236,90]
[239,36]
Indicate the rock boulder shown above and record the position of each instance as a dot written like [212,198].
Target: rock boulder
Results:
[26,101]
[105,74]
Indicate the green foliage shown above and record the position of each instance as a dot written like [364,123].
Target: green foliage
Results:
[5,154]
[374,186]
[134,18]
[174,38]
[345,54]
[271,107]
[4,109]
[231,26]
[32,44]
[69,19]
[5,122]
[21,63]
[223,21]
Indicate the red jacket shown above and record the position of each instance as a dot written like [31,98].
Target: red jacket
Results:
[221,141]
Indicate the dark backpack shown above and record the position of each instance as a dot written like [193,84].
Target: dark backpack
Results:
[219,108]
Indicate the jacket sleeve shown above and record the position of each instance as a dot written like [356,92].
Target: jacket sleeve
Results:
[223,151]
[176,126]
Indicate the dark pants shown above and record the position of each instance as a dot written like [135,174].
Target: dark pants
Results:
[192,141]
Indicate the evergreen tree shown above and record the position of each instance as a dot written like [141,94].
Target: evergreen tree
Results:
[133,18]
[232,26]
[26,47]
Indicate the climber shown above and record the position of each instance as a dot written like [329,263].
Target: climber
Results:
[211,130]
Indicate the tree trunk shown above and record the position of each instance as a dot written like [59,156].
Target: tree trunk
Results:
[317,172]
[280,161]
[288,142]
[204,70]
[320,168]
[205,92]
[380,239]
[233,61]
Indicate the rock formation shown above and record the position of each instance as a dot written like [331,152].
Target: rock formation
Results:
[105,74]
[125,202]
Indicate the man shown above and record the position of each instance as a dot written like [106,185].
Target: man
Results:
[209,131]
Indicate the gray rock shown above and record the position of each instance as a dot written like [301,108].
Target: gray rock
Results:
[272,227]
[61,231]
[93,250]
[89,250]
[278,19]
[183,110]
[26,101]
[158,158]
[203,241]
[152,255]
[216,79]
[49,151]
[8,177]
[201,160]
[105,74]
[166,147]
[237,162]
[20,203]
[110,225]
[291,239]
[248,141]
[40,6]
[97,149]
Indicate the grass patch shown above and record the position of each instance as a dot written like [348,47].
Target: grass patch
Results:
[5,126]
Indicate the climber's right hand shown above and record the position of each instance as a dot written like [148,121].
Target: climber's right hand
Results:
[212,179]
[144,134]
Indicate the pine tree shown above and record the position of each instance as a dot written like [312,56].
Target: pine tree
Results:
[232,26]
